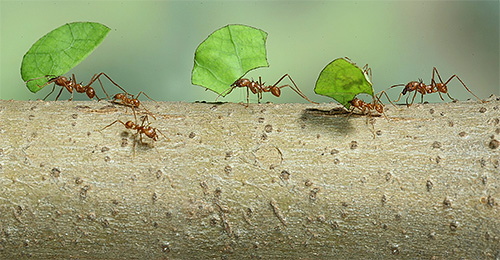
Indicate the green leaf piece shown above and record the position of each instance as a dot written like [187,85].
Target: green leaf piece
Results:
[227,55]
[342,80]
[59,51]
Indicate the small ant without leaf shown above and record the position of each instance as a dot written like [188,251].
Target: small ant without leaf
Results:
[259,87]
[70,84]
[131,101]
[141,129]
[420,87]
[369,107]
[363,106]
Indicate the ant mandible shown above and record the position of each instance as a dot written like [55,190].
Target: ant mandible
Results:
[259,87]
[422,88]
[141,129]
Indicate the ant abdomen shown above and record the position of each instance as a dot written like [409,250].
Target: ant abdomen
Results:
[276,91]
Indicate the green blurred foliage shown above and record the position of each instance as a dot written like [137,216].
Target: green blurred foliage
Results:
[152,43]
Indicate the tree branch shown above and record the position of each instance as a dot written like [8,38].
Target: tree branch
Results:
[268,181]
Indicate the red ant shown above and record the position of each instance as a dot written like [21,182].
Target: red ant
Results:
[259,87]
[363,106]
[420,87]
[141,129]
[70,84]
[131,101]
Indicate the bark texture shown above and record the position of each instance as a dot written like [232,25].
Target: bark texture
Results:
[265,181]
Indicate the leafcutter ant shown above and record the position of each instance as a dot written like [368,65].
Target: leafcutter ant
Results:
[259,88]
[70,85]
[422,88]
[376,105]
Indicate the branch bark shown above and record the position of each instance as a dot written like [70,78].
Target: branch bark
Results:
[268,181]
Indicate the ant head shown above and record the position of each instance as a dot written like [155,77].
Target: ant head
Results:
[379,108]
[411,86]
[241,82]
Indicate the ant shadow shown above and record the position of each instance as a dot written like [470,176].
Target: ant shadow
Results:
[136,143]
[335,120]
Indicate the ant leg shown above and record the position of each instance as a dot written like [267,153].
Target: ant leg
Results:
[163,135]
[367,71]
[119,121]
[107,96]
[52,91]
[434,83]
[435,72]
[133,147]
[248,96]
[439,93]
[296,89]
[135,116]
[413,99]
[142,92]
[60,94]
[387,96]
[97,76]
[455,76]
[400,95]
[380,102]
[223,93]
[351,111]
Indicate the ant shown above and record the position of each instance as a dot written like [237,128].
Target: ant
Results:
[128,99]
[141,129]
[131,100]
[259,87]
[70,84]
[363,106]
[422,88]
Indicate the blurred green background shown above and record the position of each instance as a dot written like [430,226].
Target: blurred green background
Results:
[151,45]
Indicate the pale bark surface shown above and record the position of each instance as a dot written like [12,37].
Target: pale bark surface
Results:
[268,181]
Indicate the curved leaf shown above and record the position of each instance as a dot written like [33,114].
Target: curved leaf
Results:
[227,55]
[59,51]
[342,80]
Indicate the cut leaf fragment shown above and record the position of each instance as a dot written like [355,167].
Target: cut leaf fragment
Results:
[342,80]
[227,55]
[59,51]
